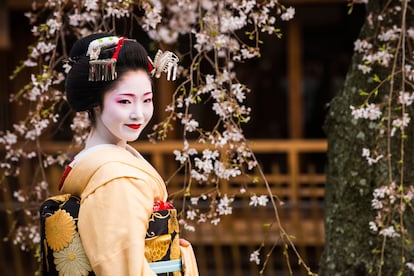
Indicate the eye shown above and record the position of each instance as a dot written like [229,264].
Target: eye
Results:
[124,101]
[148,100]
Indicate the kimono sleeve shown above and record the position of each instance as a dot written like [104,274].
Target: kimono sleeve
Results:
[112,224]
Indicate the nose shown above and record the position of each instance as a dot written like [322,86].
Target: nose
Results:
[136,114]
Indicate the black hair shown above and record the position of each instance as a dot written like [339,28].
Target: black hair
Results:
[84,95]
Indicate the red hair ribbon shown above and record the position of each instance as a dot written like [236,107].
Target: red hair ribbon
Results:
[150,66]
[118,48]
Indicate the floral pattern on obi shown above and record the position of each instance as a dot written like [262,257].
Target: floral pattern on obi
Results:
[62,250]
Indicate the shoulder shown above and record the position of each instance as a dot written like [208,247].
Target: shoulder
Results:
[107,163]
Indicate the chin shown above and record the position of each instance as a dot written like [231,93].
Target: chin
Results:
[132,139]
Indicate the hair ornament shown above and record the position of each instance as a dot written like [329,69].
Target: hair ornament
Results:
[166,62]
[103,69]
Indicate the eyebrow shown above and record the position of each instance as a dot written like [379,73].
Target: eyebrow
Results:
[134,95]
[127,94]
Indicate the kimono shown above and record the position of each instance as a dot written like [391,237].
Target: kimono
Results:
[117,189]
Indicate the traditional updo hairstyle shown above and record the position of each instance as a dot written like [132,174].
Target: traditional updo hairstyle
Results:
[82,93]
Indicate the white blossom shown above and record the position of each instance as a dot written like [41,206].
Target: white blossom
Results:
[53,25]
[389,232]
[390,34]
[367,154]
[91,5]
[376,204]
[152,16]
[258,200]
[29,63]
[410,266]
[409,72]
[254,257]
[202,218]
[19,196]
[202,42]
[224,208]
[180,157]
[231,23]
[381,192]
[116,11]
[44,47]
[189,227]
[288,14]
[215,221]
[205,165]
[361,46]
[9,138]
[221,171]
[400,123]
[190,125]
[383,57]
[210,154]
[165,35]
[373,226]
[406,98]
[198,176]
[75,19]
[410,194]
[371,112]
[365,69]
[191,214]
[194,200]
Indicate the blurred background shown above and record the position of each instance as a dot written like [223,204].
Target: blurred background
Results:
[291,85]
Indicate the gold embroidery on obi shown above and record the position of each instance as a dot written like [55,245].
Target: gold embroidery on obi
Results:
[157,247]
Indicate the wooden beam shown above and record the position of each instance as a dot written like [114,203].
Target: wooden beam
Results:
[316,2]
[19,5]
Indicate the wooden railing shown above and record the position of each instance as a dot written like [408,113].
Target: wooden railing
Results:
[291,169]
[295,172]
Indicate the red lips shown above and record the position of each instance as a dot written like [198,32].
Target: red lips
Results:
[134,126]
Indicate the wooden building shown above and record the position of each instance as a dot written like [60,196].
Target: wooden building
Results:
[291,87]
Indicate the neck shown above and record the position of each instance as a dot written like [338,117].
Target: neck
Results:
[95,139]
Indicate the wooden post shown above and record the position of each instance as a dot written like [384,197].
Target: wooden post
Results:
[4,74]
[4,26]
[295,79]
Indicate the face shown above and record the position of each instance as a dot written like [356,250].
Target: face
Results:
[127,109]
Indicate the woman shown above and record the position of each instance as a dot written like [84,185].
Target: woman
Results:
[110,79]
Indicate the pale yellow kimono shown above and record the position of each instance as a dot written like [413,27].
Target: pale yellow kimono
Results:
[117,187]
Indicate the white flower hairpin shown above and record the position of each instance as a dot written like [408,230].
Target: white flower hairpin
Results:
[166,62]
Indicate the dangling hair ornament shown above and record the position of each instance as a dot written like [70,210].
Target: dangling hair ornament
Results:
[166,62]
[103,69]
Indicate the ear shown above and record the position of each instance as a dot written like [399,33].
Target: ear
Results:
[97,110]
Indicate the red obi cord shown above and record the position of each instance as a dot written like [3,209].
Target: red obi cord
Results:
[160,205]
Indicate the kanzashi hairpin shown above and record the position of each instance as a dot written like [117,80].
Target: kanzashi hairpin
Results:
[165,62]
[103,69]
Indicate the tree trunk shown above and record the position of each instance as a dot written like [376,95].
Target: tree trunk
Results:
[349,243]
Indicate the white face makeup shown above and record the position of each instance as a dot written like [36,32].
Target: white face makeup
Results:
[127,109]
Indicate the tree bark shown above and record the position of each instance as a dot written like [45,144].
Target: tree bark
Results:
[349,243]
